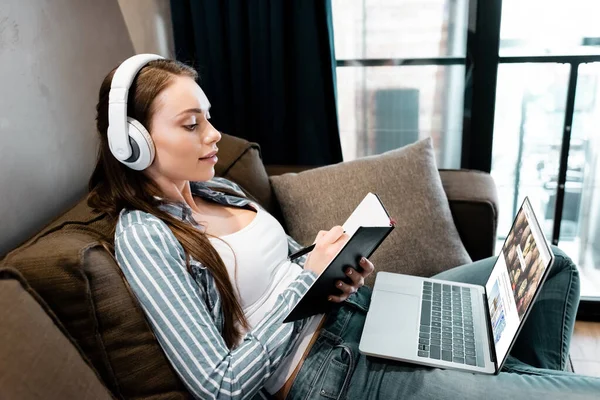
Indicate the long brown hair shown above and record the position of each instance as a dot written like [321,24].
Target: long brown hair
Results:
[114,187]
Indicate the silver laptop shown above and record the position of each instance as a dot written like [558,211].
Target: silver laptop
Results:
[460,326]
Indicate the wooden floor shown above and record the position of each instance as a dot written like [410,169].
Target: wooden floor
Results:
[585,348]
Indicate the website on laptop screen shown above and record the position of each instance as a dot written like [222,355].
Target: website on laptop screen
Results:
[515,278]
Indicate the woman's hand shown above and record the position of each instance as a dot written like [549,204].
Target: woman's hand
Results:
[327,245]
[358,280]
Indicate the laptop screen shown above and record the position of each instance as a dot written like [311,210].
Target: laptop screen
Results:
[514,281]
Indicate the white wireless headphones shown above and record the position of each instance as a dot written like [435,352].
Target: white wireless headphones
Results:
[128,140]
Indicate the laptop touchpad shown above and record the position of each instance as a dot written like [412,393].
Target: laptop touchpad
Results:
[392,316]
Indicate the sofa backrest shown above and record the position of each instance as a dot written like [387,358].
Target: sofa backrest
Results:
[67,265]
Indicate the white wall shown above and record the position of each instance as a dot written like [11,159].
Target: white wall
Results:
[53,57]
[149,24]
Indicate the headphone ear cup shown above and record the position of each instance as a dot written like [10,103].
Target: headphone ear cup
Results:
[142,142]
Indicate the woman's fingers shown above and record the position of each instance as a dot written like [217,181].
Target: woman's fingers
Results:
[341,241]
[331,241]
[346,289]
[338,299]
[333,235]
[367,267]
[357,278]
[319,236]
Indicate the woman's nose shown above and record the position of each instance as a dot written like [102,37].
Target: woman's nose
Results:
[213,135]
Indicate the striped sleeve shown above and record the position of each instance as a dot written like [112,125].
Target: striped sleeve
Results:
[293,247]
[155,269]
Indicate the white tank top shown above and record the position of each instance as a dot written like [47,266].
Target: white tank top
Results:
[261,274]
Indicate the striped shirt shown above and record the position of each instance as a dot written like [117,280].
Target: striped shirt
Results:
[184,309]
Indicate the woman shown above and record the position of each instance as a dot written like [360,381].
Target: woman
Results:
[209,267]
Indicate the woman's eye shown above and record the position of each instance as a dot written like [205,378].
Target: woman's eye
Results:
[191,127]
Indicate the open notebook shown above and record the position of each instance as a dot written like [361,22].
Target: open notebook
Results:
[368,226]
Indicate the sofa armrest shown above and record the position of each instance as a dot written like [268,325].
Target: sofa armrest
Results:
[474,204]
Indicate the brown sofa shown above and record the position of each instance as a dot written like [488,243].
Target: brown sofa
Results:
[75,282]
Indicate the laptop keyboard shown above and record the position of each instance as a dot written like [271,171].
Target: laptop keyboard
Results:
[446,330]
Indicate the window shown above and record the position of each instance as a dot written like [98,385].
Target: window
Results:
[400,75]
[564,28]
[540,59]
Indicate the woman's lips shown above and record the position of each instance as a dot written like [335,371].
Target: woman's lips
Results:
[209,155]
[210,158]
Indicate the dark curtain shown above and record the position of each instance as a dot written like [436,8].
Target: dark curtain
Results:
[268,69]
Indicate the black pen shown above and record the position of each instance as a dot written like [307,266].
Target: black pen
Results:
[301,252]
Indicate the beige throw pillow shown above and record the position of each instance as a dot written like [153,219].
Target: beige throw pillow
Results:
[425,240]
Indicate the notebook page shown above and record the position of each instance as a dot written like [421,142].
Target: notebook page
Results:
[369,212]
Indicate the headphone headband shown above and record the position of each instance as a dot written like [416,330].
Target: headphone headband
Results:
[118,127]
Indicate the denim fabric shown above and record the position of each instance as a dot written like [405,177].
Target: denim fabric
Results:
[334,368]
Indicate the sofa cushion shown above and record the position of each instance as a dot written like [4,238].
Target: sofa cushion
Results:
[80,282]
[425,240]
[44,364]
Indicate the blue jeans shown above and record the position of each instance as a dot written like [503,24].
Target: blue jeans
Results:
[334,368]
